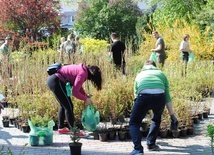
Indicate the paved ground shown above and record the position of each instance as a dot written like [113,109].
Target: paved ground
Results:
[198,144]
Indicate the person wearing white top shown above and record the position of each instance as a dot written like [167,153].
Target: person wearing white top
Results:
[185,49]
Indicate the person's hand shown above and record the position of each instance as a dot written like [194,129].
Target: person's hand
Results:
[174,123]
[89,95]
[173,118]
[88,101]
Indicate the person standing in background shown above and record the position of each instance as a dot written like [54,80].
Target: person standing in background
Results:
[68,49]
[62,40]
[79,46]
[5,58]
[117,53]
[60,50]
[159,48]
[185,49]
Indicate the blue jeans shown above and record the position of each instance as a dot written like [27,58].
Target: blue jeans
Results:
[144,103]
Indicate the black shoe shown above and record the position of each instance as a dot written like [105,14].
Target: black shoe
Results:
[153,147]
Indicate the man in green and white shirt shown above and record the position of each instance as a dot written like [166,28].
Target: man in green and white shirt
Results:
[151,91]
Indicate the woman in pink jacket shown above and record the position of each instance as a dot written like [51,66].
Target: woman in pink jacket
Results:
[76,75]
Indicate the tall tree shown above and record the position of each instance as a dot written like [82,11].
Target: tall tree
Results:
[100,18]
[31,14]
[171,10]
[205,19]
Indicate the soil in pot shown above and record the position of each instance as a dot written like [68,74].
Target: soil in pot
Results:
[205,114]
[190,130]
[183,132]
[195,120]
[103,137]
[25,128]
[12,120]
[163,133]
[5,123]
[122,135]
[176,133]
[112,133]
[113,121]
[75,148]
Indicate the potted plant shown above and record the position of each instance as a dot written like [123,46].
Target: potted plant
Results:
[75,145]
[103,134]
[41,130]
[163,130]
[210,133]
[5,121]
[122,131]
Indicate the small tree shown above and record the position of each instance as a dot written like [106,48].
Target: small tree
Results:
[31,14]
[75,136]
[100,18]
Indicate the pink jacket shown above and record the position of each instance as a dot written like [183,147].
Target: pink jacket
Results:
[76,75]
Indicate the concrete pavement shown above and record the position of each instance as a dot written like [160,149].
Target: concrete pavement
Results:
[12,142]
[197,144]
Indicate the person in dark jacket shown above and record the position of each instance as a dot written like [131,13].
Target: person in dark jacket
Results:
[159,48]
[117,53]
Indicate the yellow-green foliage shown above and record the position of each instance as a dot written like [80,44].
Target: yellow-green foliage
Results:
[31,93]
[41,120]
[94,45]
[201,45]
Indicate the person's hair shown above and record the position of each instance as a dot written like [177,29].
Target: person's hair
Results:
[154,32]
[62,39]
[77,38]
[149,62]
[70,36]
[95,76]
[185,37]
[114,35]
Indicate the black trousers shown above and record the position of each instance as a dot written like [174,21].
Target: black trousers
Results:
[66,106]
[121,67]
[185,56]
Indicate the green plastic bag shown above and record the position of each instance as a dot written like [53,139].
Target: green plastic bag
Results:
[40,135]
[68,89]
[90,118]
[191,57]
[153,57]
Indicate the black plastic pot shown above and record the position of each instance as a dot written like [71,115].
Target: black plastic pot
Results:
[75,148]
[5,123]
